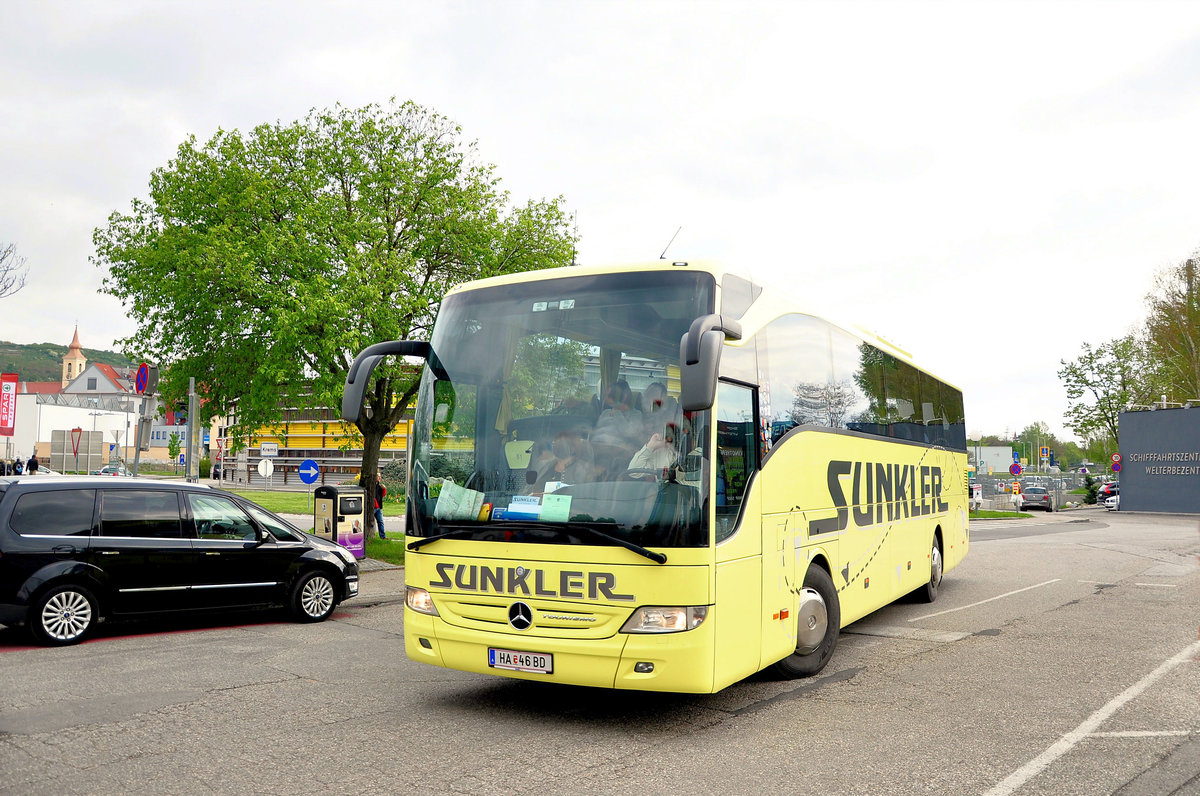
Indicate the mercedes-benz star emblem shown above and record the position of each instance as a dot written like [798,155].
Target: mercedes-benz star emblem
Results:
[520,616]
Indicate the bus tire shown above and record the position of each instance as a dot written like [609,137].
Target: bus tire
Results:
[929,592]
[818,621]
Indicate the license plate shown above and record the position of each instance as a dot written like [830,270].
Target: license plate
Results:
[540,662]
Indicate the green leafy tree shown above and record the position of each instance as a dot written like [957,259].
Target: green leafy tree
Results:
[1173,330]
[262,263]
[546,367]
[174,445]
[1100,447]
[1038,435]
[1101,383]
[1091,488]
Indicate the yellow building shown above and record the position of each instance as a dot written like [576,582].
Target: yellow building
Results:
[304,434]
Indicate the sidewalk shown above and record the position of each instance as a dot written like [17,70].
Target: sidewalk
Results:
[1062,516]
[378,582]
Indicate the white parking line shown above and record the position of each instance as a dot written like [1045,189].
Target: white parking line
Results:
[1141,734]
[1160,585]
[981,602]
[1068,741]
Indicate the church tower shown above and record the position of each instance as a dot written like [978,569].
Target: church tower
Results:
[74,362]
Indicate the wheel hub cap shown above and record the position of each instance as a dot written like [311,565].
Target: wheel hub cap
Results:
[317,596]
[812,624]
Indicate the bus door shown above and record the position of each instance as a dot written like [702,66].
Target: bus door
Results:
[782,579]
[737,532]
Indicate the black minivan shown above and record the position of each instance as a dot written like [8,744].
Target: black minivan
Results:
[76,549]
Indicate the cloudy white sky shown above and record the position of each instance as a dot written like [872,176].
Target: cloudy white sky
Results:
[988,185]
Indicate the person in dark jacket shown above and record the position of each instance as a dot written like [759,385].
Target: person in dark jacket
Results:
[380,494]
[32,465]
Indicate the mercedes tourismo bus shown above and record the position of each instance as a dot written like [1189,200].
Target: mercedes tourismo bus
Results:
[663,477]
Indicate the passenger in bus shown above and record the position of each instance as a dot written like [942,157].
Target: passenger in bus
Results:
[620,419]
[621,425]
[570,462]
[658,408]
[539,455]
[619,431]
[659,453]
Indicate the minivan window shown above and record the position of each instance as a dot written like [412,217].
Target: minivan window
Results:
[55,512]
[219,517]
[140,513]
[274,525]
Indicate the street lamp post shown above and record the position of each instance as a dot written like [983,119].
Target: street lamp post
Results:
[90,439]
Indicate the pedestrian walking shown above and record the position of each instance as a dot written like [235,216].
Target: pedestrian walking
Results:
[380,494]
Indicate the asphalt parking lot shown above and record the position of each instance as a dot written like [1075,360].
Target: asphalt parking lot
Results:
[1061,657]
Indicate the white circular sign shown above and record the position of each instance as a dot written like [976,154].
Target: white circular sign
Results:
[266,467]
[1116,457]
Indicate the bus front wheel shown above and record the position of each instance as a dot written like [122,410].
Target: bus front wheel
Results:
[929,592]
[817,623]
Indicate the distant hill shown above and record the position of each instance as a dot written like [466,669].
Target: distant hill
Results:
[43,361]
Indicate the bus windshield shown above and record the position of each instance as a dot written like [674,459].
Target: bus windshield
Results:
[547,413]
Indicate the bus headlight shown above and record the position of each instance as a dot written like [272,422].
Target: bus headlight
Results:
[671,619]
[420,601]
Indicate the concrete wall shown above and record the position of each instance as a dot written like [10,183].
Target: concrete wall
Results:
[1160,467]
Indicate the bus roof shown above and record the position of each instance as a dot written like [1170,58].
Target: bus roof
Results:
[774,299]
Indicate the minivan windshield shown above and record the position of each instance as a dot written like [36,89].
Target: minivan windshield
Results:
[548,412]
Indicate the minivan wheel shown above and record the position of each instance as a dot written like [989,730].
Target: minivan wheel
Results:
[313,597]
[63,615]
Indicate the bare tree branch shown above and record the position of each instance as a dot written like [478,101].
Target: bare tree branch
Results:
[13,270]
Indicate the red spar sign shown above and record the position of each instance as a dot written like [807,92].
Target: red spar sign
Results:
[8,404]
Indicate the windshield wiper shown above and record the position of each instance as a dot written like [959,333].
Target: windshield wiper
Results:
[657,558]
[427,539]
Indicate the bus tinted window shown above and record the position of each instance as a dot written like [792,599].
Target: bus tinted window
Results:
[816,374]
[905,403]
[736,459]
[794,358]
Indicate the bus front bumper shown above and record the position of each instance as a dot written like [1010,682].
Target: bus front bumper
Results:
[678,662]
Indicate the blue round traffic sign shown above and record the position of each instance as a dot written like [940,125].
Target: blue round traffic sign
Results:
[309,471]
[143,376]
[1015,469]
[1116,467]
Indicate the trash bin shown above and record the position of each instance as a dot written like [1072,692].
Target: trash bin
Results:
[338,516]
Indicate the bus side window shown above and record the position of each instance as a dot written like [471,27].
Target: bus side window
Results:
[736,457]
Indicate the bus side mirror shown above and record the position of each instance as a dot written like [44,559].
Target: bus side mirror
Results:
[359,375]
[700,359]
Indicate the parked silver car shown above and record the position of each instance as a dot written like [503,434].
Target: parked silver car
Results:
[113,469]
[1036,497]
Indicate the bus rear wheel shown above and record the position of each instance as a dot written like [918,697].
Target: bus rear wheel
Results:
[818,620]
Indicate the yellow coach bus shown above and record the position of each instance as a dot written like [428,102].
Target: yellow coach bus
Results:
[664,477]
